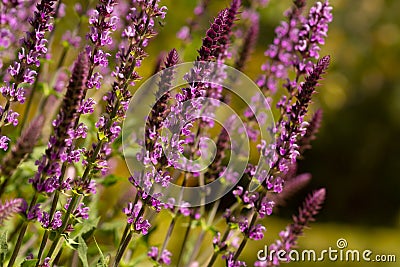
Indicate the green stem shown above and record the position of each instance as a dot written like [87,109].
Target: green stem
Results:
[13,234]
[42,246]
[22,232]
[71,208]
[210,220]
[46,234]
[123,248]
[17,247]
[57,258]
[167,237]
[3,115]
[188,228]
[62,57]
[125,241]
[3,185]
[30,100]
[213,259]
[123,237]
[217,252]
[127,228]
[246,238]
[241,247]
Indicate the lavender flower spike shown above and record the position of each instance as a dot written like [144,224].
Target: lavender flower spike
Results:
[288,237]
[217,37]
[21,71]
[281,52]
[102,25]
[160,110]
[308,87]
[66,119]
[313,34]
[9,208]
[21,150]
[249,41]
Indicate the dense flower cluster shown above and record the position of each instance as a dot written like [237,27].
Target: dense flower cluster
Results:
[290,133]
[12,14]
[103,23]
[22,71]
[297,41]
[75,156]
[282,51]
[59,149]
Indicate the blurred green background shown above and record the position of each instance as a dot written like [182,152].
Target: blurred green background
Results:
[356,155]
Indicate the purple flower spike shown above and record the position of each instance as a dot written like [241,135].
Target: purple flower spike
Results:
[313,34]
[217,36]
[288,237]
[33,48]
[66,119]
[103,24]
[249,41]
[9,208]
[289,131]
[281,52]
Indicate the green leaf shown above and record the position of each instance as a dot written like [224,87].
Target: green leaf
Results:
[72,243]
[82,251]
[102,262]
[89,226]
[110,180]
[29,263]
[44,88]
[102,136]
[52,235]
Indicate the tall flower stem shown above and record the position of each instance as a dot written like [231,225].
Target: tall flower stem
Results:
[104,10]
[67,112]
[71,207]
[245,238]
[22,232]
[39,72]
[216,253]
[168,235]
[126,240]
[202,234]
[124,245]
[123,237]
[75,200]
[46,233]
[17,246]
[29,103]
[127,228]
[185,239]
